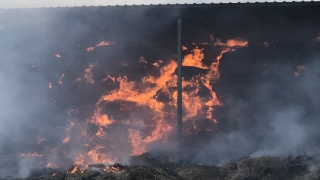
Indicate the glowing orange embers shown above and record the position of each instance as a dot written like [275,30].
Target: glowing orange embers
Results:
[60,79]
[299,69]
[102,43]
[105,43]
[194,59]
[75,169]
[87,76]
[35,154]
[52,165]
[40,139]
[90,49]
[113,168]
[232,43]
[136,141]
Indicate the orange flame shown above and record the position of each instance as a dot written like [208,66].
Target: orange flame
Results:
[232,43]
[194,59]
[299,68]
[40,139]
[136,141]
[35,154]
[66,140]
[52,165]
[105,43]
[76,169]
[60,79]
[90,49]
[144,95]
[101,133]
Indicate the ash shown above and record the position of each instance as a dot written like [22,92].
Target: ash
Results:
[158,165]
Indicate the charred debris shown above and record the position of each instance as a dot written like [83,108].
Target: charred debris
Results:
[159,166]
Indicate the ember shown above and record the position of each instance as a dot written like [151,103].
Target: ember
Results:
[75,169]
[113,168]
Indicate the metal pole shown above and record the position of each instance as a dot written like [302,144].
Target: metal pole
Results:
[179,85]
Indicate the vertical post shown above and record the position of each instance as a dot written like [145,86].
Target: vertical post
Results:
[179,85]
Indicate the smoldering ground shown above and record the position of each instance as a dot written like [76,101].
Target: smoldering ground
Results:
[267,109]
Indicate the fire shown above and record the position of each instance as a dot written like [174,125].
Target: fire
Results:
[105,43]
[35,154]
[60,79]
[136,140]
[52,165]
[101,134]
[79,159]
[232,43]
[151,118]
[90,48]
[69,111]
[101,120]
[88,76]
[57,55]
[97,156]
[102,43]
[40,139]
[65,140]
[109,77]
[76,169]
[200,43]
[299,69]
[160,131]
[112,168]
[142,60]
[194,59]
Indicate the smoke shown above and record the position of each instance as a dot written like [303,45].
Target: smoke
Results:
[50,84]
[43,52]
[279,118]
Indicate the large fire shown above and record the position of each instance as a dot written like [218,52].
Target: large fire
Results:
[150,102]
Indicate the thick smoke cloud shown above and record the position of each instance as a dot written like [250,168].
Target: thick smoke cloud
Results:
[266,110]
[34,116]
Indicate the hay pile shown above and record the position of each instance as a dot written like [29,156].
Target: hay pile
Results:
[248,168]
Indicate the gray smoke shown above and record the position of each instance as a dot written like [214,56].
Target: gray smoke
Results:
[274,112]
[279,118]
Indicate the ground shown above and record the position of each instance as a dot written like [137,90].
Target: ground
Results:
[248,168]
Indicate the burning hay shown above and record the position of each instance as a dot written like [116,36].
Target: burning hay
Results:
[248,168]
